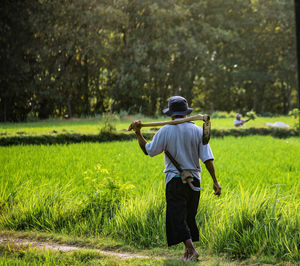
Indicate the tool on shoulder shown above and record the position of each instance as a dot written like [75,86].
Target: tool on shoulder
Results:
[186,176]
[206,131]
[206,125]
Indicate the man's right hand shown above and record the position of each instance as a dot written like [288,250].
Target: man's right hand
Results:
[135,126]
[217,188]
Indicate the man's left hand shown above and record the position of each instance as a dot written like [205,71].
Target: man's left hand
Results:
[217,188]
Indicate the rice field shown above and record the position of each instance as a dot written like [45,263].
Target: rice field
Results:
[94,125]
[113,189]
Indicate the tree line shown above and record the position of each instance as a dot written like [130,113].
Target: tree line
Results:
[65,58]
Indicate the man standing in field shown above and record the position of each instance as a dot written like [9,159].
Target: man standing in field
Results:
[184,143]
[238,122]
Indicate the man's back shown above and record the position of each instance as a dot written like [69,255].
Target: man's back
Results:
[184,143]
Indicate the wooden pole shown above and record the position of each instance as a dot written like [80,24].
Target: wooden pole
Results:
[205,118]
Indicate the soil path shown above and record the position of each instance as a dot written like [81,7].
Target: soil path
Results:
[32,243]
[65,248]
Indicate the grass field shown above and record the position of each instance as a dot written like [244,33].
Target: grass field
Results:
[93,126]
[16,255]
[26,255]
[112,189]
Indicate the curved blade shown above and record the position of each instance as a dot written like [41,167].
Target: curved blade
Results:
[206,132]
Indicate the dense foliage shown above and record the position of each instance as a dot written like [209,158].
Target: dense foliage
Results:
[82,57]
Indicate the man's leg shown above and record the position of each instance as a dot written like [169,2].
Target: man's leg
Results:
[192,207]
[176,225]
[177,228]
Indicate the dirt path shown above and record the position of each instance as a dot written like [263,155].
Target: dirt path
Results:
[65,248]
[15,240]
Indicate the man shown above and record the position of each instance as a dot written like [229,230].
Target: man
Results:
[238,122]
[184,143]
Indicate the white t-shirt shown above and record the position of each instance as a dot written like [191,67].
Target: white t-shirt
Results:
[184,143]
[238,123]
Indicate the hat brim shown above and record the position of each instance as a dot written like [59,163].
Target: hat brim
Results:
[169,113]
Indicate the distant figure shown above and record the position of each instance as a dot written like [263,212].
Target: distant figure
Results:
[238,122]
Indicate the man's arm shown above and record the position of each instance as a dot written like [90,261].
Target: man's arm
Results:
[211,169]
[245,121]
[142,141]
[136,126]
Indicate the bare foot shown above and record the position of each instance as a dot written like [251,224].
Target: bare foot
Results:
[193,256]
[185,255]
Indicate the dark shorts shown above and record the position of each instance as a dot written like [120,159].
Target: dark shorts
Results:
[182,205]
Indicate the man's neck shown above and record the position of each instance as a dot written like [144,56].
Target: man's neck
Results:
[178,116]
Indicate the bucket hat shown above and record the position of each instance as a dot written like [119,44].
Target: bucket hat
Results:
[177,106]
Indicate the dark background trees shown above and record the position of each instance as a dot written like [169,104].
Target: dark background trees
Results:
[65,58]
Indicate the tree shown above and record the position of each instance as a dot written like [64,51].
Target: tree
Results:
[17,64]
[82,57]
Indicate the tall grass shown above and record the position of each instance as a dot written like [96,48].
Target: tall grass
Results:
[113,189]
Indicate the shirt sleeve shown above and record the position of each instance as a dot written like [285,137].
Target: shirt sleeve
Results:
[205,152]
[157,145]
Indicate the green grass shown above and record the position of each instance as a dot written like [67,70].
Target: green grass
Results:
[72,126]
[18,255]
[259,122]
[28,255]
[93,126]
[152,256]
[112,189]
